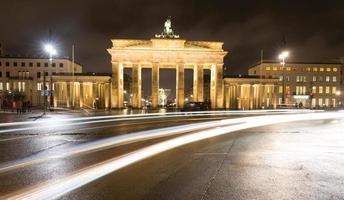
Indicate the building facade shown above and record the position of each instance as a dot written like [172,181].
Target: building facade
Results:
[250,92]
[312,85]
[26,75]
[167,51]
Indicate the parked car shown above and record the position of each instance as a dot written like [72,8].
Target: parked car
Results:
[196,106]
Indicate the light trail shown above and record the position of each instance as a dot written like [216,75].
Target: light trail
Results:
[154,114]
[104,119]
[62,186]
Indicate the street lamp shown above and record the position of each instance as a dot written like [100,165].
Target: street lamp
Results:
[50,49]
[283,56]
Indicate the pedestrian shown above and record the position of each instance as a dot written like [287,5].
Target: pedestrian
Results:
[29,106]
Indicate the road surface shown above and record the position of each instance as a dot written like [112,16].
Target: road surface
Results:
[295,160]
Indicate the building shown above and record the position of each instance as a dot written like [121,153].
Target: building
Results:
[250,92]
[26,75]
[167,51]
[310,85]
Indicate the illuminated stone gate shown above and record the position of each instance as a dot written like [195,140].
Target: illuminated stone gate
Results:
[167,51]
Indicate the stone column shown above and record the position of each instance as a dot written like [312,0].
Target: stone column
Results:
[136,84]
[155,85]
[180,85]
[216,86]
[252,99]
[198,82]
[56,91]
[81,95]
[95,95]
[117,85]
[68,94]
[227,96]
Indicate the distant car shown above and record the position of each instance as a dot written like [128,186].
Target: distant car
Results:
[195,106]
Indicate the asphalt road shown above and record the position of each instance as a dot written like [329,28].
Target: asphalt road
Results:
[298,160]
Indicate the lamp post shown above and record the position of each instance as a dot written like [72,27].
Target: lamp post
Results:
[283,56]
[48,48]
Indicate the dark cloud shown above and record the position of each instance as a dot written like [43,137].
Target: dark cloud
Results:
[314,30]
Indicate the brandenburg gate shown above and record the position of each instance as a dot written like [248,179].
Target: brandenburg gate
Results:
[167,50]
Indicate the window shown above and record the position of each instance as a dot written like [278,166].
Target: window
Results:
[0,64]
[314,89]
[321,79]
[23,64]
[61,64]
[53,65]
[328,69]
[327,78]
[321,69]
[38,74]
[281,68]
[8,74]
[287,78]
[30,64]
[280,89]
[1,86]
[274,68]
[321,102]
[335,69]
[46,65]
[280,78]
[308,69]
[54,73]
[267,68]
[7,64]
[38,64]
[0,73]
[287,89]
[7,86]
[327,90]
[327,102]
[334,79]
[15,64]
[314,78]
[315,69]
[320,89]
[46,73]
[297,79]
[334,90]
[39,86]
[288,68]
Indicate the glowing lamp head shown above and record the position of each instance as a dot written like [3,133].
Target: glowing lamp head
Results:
[338,93]
[283,55]
[50,49]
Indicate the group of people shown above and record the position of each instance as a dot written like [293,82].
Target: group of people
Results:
[19,105]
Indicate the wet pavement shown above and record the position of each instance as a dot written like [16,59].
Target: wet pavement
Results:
[299,160]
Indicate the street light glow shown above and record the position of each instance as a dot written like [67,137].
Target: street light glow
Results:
[49,48]
[283,55]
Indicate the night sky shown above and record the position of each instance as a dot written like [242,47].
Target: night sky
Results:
[312,30]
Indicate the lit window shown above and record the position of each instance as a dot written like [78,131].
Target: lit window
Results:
[328,69]
[287,78]
[280,89]
[7,86]
[288,68]
[327,90]
[314,89]
[321,69]
[327,78]
[274,68]
[297,79]
[281,68]
[334,90]
[281,78]
[287,89]
[267,68]
[320,89]
[39,86]
[335,69]
[315,69]
[1,86]
[334,78]
[314,78]
[308,69]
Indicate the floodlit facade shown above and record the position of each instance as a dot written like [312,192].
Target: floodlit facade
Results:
[166,50]
[310,85]
[250,92]
[26,75]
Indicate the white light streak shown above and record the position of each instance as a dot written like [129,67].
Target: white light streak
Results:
[62,186]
